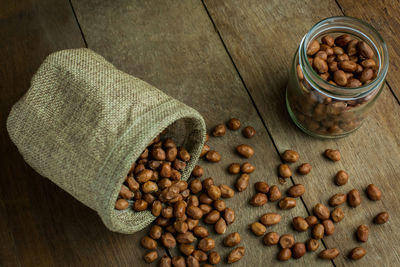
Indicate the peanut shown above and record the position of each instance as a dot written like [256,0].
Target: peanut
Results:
[341,178]
[318,231]
[121,204]
[373,192]
[261,187]
[274,193]
[337,215]
[320,65]
[287,203]
[165,261]
[343,40]
[234,124]
[213,156]
[298,250]
[329,228]
[148,243]
[313,48]
[312,244]
[242,182]
[381,218]
[329,254]
[321,211]
[232,239]
[258,200]
[284,171]
[357,253]
[340,78]
[234,168]
[270,219]
[258,229]
[236,254]
[362,233]
[150,256]
[214,258]
[332,154]
[304,168]
[247,168]
[249,132]
[191,261]
[219,130]
[229,215]
[245,151]
[354,198]
[311,220]
[197,171]
[220,226]
[365,50]
[226,191]
[328,40]
[290,156]
[300,224]
[284,254]
[296,190]
[337,199]
[286,241]
[271,238]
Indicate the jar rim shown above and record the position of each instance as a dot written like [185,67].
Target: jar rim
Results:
[357,28]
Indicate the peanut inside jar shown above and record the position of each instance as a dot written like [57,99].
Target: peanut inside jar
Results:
[335,78]
[337,74]
[342,60]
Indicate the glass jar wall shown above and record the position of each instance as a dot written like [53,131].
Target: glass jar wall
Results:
[332,88]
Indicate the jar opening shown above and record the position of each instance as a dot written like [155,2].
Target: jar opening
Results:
[358,29]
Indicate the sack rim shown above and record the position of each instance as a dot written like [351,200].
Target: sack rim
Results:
[110,216]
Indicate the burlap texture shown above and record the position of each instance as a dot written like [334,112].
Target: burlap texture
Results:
[83,123]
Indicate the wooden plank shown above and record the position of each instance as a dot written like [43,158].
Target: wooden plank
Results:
[30,31]
[40,224]
[261,38]
[174,46]
[383,16]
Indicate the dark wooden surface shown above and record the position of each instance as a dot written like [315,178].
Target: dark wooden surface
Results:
[226,59]
[365,153]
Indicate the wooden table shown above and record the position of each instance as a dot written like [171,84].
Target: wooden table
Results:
[226,59]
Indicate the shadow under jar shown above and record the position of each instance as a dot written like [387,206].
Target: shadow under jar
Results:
[331,100]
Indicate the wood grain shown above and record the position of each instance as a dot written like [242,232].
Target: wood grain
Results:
[175,47]
[261,39]
[384,18]
[27,201]
[41,225]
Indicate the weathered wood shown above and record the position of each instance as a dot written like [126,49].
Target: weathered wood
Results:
[383,16]
[41,225]
[262,38]
[175,47]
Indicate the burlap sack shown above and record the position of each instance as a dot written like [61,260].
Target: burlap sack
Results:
[83,123]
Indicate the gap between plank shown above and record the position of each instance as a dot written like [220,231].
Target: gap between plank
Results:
[255,106]
[86,45]
[77,22]
[245,86]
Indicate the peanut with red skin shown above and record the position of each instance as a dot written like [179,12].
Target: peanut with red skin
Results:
[234,124]
[304,168]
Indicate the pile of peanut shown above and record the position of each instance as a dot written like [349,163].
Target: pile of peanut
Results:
[184,209]
[155,178]
[321,223]
[343,61]
[154,182]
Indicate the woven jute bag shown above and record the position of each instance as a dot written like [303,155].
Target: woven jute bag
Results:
[82,124]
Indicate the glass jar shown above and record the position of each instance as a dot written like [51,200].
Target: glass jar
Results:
[325,109]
